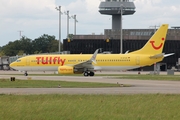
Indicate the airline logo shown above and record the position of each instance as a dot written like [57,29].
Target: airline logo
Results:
[50,60]
[66,69]
[156,47]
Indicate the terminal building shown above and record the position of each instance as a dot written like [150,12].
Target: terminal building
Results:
[133,39]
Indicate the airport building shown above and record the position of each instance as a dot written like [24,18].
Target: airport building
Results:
[133,39]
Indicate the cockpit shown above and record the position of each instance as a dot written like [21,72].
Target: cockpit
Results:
[18,60]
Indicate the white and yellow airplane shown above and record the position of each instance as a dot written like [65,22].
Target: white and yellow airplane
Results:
[86,64]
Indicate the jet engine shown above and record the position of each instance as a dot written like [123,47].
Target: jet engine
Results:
[65,70]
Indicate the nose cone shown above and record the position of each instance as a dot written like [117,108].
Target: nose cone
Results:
[12,65]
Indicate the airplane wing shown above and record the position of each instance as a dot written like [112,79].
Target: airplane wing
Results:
[87,64]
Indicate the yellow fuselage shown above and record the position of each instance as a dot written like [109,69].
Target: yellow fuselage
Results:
[103,61]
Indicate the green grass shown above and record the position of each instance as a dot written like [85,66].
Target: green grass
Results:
[150,77]
[90,107]
[87,107]
[5,83]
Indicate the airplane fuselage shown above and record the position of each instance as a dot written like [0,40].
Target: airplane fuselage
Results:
[103,62]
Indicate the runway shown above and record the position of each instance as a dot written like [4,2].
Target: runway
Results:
[137,86]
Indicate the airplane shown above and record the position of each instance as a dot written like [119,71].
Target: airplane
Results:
[86,64]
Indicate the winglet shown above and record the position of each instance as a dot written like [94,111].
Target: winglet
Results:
[126,52]
[93,58]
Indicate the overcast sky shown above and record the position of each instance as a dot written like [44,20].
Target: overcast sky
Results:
[37,17]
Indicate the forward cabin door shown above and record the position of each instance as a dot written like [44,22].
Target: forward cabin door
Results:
[27,61]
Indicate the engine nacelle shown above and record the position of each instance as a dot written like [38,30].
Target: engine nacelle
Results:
[65,70]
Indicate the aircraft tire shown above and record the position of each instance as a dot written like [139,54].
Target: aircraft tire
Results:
[25,74]
[86,74]
[91,73]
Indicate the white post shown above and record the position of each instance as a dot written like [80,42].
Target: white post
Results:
[59,9]
[121,41]
[68,17]
[75,20]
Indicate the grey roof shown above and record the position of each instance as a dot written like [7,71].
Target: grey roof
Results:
[116,4]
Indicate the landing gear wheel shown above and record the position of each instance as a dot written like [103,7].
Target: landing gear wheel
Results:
[86,74]
[91,73]
[25,74]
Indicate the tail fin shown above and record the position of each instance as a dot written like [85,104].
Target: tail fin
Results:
[156,43]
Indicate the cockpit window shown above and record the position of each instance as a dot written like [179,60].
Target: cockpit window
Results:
[18,60]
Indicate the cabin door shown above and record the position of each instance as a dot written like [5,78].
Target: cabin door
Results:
[27,61]
[137,60]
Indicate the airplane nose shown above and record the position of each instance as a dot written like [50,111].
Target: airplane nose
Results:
[12,65]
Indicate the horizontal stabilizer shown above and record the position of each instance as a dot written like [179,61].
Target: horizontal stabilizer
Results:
[161,55]
[166,55]
[157,56]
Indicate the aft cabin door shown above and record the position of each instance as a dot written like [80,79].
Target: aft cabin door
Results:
[137,60]
[28,61]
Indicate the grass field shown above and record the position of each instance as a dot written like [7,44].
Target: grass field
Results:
[90,107]
[87,107]
[5,83]
[150,77]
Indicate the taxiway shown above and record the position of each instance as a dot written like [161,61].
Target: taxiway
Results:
[137,86]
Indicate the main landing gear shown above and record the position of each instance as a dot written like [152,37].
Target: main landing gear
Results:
[88,73]
[26,74]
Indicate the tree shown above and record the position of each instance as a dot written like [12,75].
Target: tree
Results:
[26,45]
[20,53]
[2,53]
[13,48]
[45,43]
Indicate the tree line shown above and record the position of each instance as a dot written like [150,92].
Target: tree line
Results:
[43,44]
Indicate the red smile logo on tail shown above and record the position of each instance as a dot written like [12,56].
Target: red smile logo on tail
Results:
[156,47]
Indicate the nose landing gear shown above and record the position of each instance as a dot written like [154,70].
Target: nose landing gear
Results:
[26,74]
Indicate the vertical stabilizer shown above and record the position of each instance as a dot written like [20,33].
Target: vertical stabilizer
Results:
[155,44]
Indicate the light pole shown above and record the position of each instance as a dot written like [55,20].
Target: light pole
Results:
[155,27]
[59,9]
[20,34]
[121,41]
[75,20]
[67,13]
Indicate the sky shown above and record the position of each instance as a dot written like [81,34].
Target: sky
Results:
[37,17]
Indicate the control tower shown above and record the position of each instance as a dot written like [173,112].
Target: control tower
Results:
[114,8]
